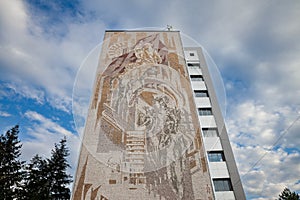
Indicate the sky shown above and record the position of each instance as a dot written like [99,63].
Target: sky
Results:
[254,44]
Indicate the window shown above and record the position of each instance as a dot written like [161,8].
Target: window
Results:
[204,111]
[192,54]
[200,93]
[222,184]
[216,156]
[196,78]
[196,65]
[210,132]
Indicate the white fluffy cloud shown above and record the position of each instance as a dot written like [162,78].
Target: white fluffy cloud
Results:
[4,114]
[40,64]
[266,172]
[260,135]
[43,133]
[255,44]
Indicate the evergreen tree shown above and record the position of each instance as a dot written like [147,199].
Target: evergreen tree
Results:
[286,194]
[11,173]
[57,166]
[37,181]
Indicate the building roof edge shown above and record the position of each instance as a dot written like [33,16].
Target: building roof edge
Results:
[119,30]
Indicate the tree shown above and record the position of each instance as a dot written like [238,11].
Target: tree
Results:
[11,173]
[286,194]
[57,166]
[37,183]
[45,179]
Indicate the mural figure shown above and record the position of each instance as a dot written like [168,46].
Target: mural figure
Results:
[147,139]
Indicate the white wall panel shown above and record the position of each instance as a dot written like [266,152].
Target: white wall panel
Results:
[227,195]
[198,85]
[194,71]
[202,102]
[218,170]
[207,121]
[212,144]
[189,57]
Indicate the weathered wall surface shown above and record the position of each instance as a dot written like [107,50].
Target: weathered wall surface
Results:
[142,137]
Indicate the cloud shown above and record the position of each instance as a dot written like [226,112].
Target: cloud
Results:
[255,44]
[46,123]
[261,137]
[10,12]
[271,174]
[30,59]
[43,133]
[25,91]
[4,114]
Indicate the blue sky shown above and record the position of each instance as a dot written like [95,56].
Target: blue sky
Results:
[255,45]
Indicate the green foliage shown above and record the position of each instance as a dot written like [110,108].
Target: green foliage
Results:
[45,179]
[286,194]
[37,180]
[11,173]
[58,176]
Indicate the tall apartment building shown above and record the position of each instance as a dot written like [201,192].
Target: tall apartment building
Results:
[154,129]
[223,170]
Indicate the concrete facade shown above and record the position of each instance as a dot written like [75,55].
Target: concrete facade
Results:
[220,170]
[143,137]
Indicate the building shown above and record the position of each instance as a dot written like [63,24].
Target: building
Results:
[154,129]
[222,166]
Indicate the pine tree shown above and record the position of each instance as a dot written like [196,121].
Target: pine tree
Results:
[286,194]
[37,181]
[57,166]
[11,173]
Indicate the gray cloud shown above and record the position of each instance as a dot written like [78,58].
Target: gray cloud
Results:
[254,43]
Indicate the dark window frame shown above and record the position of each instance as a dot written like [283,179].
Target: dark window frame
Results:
[209,132]
[201,93]
[216,156]
[222,184]
[193,65]
[196,78]
[205,112]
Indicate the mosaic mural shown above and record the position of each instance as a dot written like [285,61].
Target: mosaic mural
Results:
[142,138]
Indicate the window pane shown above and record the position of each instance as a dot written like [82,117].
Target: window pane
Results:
[193,64]
[204,111]
[216,156]
[199,93]
[210,132]
[222,184]
[196,78]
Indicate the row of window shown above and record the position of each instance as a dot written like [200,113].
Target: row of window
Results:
[200,93]
[220,184]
